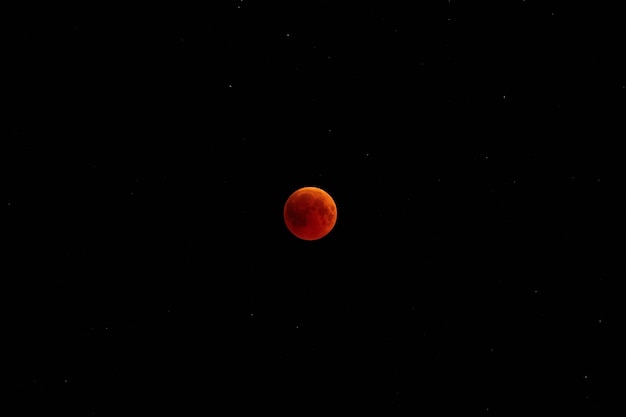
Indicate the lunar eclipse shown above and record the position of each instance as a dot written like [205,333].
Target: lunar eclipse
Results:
[310,213]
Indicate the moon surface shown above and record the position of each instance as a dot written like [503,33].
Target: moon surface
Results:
[310,213]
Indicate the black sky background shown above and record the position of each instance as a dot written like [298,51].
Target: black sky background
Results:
[472,151]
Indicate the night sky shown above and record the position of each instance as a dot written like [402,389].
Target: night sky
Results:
[471,150]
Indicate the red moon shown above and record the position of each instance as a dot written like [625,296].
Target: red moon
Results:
[310,213]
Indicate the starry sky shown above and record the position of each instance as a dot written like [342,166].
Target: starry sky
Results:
[471,150]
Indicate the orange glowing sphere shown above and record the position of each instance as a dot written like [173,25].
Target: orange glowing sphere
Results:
[310,213]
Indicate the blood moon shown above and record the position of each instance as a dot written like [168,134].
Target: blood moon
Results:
[310,213]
